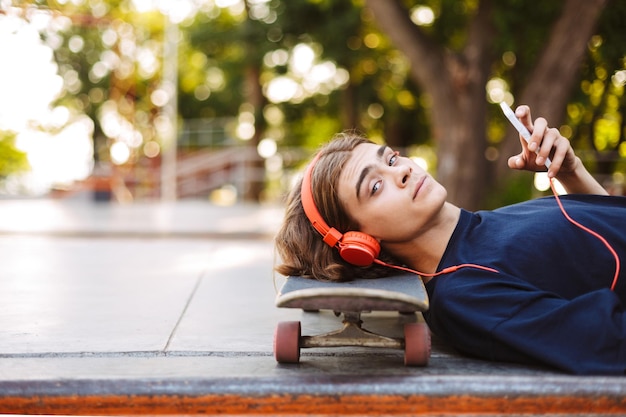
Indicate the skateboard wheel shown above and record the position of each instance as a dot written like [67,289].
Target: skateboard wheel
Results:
[287,342]
[416,344]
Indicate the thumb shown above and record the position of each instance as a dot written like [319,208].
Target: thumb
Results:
[516,162]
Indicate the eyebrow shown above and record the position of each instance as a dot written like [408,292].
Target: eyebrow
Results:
[379,154]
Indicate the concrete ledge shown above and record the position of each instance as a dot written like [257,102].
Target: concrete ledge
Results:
[335,395]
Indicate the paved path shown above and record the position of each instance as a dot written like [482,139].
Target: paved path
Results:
[169,308]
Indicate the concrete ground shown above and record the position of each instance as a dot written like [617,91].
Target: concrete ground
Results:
[159,308]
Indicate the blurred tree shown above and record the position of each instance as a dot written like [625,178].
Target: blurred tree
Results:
[420,81]
[379,97]
[110,70]
[269,56]
[233,42]
[109,54]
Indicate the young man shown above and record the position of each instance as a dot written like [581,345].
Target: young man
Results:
[522,283]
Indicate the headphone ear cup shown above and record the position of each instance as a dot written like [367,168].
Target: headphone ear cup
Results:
[359,248]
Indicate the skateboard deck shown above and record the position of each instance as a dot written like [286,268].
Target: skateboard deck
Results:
[402,293]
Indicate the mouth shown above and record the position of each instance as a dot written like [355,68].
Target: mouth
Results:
[418,186]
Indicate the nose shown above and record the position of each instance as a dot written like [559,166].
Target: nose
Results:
[403,174]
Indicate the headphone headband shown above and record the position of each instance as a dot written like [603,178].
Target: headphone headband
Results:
[354,247]
[330,235]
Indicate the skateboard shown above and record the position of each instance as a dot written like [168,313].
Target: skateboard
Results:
[404,294]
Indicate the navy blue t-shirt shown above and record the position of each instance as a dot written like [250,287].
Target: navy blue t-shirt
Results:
[551,302]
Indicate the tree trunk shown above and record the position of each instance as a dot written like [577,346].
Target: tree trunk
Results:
[255,180]
[456,85]
[350,111]
[254,183]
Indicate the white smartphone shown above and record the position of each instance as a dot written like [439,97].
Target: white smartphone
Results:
[518,125]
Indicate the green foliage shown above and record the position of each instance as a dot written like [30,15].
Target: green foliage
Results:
[595,116]
[12,160]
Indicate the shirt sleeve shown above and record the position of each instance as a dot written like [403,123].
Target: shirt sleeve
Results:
[508,320]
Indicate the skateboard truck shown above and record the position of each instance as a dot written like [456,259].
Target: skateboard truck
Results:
[352,334]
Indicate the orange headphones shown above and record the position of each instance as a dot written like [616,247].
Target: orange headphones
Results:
[356,248]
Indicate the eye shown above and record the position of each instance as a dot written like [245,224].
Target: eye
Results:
[392,161]
[376,187]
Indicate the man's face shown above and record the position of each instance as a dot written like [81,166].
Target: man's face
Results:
[391,197]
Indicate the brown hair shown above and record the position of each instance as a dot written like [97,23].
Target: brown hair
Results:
[299,245]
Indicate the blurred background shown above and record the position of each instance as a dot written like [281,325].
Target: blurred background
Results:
[225,100]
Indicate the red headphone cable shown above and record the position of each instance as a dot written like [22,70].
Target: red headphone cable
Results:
[443,271]
[591,232]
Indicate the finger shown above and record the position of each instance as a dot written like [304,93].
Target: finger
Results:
[545,141]
[523,113]
[559,153]
[538,136]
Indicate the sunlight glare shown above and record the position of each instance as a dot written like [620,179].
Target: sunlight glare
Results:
[267,147]
[120,153]
[422,16]
[324,72]
[31,61]
[497,90]
[302,58]
[177,11]
[541,181]
[421,162]
[29,85]
[58,160]
[227,3]
[281,89]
